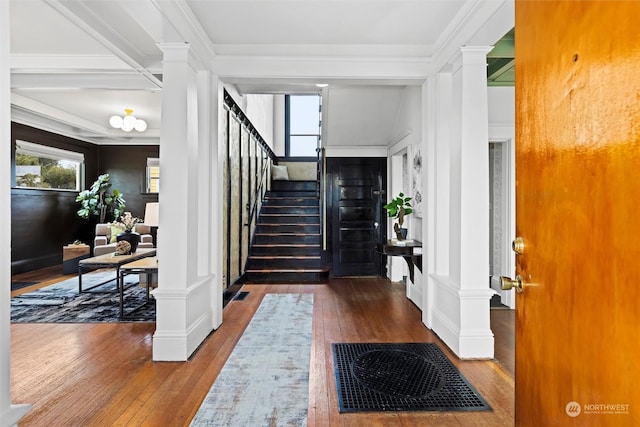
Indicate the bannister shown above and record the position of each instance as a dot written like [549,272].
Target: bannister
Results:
[321,196]
[242,117]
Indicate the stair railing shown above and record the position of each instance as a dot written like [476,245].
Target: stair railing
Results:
[321,195]
[253,204]
[258,159]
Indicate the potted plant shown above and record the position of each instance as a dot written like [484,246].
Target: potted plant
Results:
[398,208]
[100,200]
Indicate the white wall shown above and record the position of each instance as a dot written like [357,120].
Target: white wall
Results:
[502,112]
[502,131]
[259,109]
[407,134]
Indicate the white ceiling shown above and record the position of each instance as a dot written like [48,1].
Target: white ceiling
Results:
[77,62]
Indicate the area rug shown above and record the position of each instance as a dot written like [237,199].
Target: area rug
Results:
[400,377]
[265,381]
[61,303]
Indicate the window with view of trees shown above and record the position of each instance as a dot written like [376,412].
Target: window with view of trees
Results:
[302,125]
[42,167]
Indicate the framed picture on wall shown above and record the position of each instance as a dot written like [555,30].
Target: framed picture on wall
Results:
[416,182]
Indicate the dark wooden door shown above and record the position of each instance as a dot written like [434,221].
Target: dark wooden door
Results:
[357,195]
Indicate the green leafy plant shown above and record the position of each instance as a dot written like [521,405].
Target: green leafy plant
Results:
[100,200]
[398,208]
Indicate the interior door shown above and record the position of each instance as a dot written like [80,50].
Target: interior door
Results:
[578,210]
[357,193]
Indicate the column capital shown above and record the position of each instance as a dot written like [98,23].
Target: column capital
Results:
[175,51]
[470,55]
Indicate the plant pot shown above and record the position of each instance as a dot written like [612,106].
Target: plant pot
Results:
[401,233]
[130,236]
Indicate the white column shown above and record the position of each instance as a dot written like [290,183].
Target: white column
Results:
[461,287]
[186,279]
[9,414]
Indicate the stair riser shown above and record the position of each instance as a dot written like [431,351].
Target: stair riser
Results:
[294,186]
[288,229]
[285,250]
[285,277]
[291,210]
[289,219]
[309,194]
[290,201]
[283,264]
[286,239]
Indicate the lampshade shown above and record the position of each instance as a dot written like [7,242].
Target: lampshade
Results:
[152,214]
[128,123]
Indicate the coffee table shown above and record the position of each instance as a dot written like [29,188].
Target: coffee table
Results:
[109,261]
[147,266]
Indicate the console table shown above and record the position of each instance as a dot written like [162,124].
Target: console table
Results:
[410,250]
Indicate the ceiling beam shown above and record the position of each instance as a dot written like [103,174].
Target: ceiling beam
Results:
[83,17]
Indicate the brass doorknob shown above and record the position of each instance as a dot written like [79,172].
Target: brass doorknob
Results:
[518,245]
[507,283]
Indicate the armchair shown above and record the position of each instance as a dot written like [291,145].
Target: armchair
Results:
[102,243]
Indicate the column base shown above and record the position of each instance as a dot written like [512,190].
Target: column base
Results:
[184,319]
[461,319]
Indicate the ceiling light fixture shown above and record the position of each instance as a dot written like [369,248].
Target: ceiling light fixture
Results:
[128,123]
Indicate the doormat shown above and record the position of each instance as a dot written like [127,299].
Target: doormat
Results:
[383,377]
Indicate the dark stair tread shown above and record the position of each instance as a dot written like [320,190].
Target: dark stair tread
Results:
[294,215]
[287,234]
[283,245]
[287,270]
[285,256]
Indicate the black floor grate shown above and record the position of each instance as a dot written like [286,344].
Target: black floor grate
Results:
[400,377]
[241,296]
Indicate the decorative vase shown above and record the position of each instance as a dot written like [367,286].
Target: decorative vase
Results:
[130,236]
[401,233]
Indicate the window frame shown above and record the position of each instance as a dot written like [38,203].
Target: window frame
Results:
[153,164]
[287,125]
[51,153]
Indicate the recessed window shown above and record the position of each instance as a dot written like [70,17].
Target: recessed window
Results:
[42,167]
[303,122]
[153,175]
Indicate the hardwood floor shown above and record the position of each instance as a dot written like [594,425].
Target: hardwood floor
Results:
[102,374]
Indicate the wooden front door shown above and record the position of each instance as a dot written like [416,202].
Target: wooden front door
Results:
[578,209]
[357,195]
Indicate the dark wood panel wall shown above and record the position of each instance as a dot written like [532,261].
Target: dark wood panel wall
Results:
[127,166]
[42,221]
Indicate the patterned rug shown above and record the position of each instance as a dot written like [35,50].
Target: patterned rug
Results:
[265,381]
[61,303]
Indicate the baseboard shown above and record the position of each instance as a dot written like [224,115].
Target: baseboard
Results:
[36,263]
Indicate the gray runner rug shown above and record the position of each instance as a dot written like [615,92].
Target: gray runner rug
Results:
[265,381]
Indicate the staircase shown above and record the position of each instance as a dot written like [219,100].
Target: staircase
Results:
[286,246]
